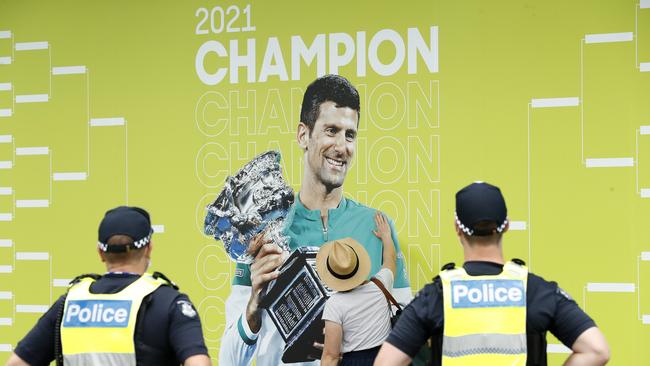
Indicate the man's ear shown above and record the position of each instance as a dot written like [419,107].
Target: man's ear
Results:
[303,136]
[148,249]
[101,255]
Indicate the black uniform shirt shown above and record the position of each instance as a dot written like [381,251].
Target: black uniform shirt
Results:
[170,334]
[548,308]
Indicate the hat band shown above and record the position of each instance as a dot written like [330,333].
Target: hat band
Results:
[470,232]
[121,248]
[346,276]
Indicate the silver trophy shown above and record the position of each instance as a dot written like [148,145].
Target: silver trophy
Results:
[255,199]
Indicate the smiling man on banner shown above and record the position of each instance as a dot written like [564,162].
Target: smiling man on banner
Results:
[327,135]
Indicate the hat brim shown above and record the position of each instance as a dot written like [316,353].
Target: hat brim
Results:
[343,284]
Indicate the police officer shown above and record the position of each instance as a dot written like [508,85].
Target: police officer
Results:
[125,317]
[490,311]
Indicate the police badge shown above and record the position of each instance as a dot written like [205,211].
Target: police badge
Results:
[186,308]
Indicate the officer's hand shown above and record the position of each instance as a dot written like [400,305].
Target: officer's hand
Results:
[268,257]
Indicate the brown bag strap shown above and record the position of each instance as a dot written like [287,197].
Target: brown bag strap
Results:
[389,297]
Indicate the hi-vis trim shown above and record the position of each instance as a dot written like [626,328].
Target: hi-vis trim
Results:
[476,344]
[97,314]
[487,293]
[113,359]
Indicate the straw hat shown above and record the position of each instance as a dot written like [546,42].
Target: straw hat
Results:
[343,264]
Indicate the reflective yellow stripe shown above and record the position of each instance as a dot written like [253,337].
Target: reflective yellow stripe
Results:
[101,325]
[485,317]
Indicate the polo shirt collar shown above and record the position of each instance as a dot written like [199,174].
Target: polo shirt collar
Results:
[314,215]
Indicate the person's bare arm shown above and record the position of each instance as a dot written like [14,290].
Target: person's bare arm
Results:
[390,355]
[332,347]
[590,349]
[14,360]
[198,360]
[383,233]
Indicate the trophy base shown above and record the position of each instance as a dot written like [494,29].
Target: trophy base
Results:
[302,349]
[295,301]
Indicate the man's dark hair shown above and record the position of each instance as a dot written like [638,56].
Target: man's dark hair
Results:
[123,257]
[487,230]
[328,88]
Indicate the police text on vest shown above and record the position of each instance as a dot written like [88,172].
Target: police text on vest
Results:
[97,314]
[487,293]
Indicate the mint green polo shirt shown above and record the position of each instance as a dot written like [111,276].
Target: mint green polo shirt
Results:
[350,219]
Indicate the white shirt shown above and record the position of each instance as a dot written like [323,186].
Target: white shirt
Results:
[363,313]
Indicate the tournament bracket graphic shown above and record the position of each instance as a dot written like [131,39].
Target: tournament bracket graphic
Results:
[154,105]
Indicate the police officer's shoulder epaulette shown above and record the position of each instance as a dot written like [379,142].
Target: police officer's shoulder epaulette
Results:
[448,266]
[94,276]
[437,282]
[171,283]
[518,261]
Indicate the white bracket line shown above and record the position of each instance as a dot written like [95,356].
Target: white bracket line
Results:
[126,162]
[5,86]
[555,102]
[6,348]
[609,37]
[103,122]
[38,309]
[6,139]
[32,256]
[6,269]
[5,112]
[31,46]
[8,164]
[530,231]
[6,191]
[61,282]
[645,4]
[6,322]
[645,256]
[610,287]
[51,198]
[68,70]
[644,67]
[24,151]
[158,229]
[609,162]
[32,203]
[6,243]
[32,98]
[640,131]
[518,225]
[88,119]
[5,34]
[69,176]
[6,295]
[5,60]
[6,217]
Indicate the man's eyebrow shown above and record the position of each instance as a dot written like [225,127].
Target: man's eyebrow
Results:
[331,124]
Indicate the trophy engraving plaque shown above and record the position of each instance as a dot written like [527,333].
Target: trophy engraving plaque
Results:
[295,302]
